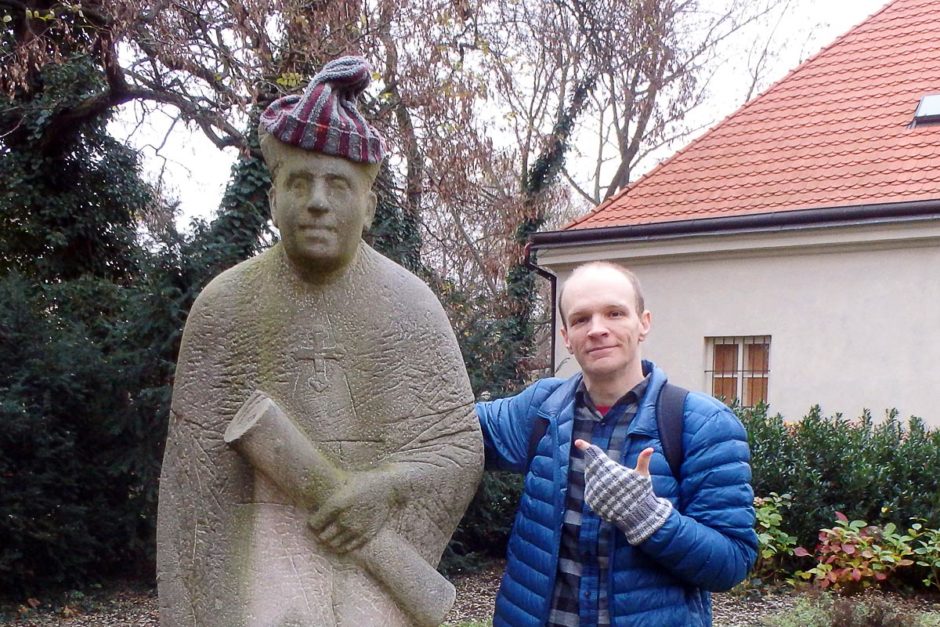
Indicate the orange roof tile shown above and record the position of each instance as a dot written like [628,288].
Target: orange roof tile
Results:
[834,132]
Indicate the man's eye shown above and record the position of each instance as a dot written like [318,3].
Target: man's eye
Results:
[338,183]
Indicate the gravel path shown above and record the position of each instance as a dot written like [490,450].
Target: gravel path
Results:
[475,595]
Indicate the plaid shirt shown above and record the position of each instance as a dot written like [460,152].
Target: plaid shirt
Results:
[580,595]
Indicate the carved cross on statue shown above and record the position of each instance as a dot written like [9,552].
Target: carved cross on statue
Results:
[324,348]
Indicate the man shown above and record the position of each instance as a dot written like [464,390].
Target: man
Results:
[360,362]
[604,533]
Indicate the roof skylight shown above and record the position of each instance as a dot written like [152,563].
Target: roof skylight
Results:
[928,110]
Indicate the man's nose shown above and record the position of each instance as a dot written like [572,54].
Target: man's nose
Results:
[318,199]
[597,326]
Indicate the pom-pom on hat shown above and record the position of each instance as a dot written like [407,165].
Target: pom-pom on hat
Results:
[324,118]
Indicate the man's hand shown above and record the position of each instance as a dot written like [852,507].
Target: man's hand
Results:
[623,496]
[642,462]
[356,512]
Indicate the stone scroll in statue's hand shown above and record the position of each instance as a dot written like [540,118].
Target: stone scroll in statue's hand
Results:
[263,434]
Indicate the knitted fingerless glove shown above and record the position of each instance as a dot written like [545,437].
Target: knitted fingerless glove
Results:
[623,496]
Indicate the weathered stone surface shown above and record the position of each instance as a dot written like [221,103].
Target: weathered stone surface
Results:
[367,368]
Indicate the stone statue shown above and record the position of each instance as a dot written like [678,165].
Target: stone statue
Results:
[322,443]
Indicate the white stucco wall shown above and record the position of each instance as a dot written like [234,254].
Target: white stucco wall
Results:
[853,313]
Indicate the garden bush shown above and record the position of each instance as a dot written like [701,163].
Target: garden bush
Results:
[927,552]
[878,471]
[853,555]
[484,529]
[774,544]
[66,504]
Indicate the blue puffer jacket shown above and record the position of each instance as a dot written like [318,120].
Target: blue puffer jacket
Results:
[707,544]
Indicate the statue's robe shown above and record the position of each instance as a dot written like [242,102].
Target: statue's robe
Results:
[369,369]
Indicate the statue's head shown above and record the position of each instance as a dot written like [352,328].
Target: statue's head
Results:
[323,157]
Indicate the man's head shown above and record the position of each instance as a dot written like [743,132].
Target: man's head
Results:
[604,320]
[634,282]
[323,157]
[321,205]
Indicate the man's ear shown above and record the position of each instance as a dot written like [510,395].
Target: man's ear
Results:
[646,321]
[564,337]
[371,201]
[272,204]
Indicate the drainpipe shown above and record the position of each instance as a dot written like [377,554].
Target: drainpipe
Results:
[553,280]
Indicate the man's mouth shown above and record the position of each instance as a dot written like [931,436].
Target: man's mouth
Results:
[317,232]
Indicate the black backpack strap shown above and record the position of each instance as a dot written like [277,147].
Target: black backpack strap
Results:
[670,411]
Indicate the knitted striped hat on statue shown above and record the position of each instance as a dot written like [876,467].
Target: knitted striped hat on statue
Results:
[324,118]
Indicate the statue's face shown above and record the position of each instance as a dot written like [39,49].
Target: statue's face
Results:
[321,205]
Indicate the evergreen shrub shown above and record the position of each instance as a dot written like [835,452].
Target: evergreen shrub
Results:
[877,471]
[484,530]
[65,498]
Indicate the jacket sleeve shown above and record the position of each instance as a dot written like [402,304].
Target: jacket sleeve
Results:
[712,543]
[507,425]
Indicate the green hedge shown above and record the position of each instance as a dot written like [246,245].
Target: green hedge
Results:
[484,531]
[72,503]
[875,470]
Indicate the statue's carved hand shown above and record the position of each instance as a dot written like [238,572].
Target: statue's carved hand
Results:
[354,513]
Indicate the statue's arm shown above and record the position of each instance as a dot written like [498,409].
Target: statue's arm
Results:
[195,503]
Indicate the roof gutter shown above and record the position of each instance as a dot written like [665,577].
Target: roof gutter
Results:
[782,220]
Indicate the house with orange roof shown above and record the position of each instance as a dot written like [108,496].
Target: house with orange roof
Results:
[791,254]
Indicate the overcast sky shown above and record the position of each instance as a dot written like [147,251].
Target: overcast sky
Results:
[195,171]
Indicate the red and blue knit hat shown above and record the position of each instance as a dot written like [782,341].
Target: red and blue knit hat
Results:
[324,118]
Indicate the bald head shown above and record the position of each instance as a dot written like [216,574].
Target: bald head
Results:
[599,269]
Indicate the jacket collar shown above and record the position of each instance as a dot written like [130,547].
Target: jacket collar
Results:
[560,404]
[562,398]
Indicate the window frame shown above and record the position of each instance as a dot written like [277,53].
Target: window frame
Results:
[742,374]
